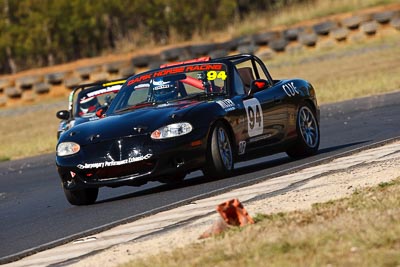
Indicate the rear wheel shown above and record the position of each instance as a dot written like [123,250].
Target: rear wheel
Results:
[308,136]
[219,153]
[79,197]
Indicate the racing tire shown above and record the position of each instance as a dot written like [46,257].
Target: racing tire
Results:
[55,78]
[41,88]
[395,23]
[340,34]
[219,153]
[308,39]
[278,45]
[292,34]
[218,53]
[247,49]
[265,38]
[369,27]
[72,81]
[324,28]
[230,45]
[13,92]
[173,54]
[383,17]
[352,23]
[80,197]
[202,49]
[308,135]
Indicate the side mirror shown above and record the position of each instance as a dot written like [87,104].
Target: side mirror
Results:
[101,111]
[258,85]
[63,114]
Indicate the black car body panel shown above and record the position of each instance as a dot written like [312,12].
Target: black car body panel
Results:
[132,146]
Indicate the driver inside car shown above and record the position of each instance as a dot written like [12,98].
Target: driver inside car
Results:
[162,91]
[88,106]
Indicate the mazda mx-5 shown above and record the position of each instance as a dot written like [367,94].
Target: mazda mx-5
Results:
[202,114]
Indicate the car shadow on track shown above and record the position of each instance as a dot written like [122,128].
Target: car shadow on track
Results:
[335,148]
[286,160]
[268,164]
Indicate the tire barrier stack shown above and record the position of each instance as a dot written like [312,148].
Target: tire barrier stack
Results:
[355,28]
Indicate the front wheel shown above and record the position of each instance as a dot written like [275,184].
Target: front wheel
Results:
[219,153]
[79,197]
[308,136]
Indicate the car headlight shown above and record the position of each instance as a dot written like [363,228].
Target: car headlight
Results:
[67,148]
[172,130]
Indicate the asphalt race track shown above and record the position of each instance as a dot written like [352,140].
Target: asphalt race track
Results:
[35,214]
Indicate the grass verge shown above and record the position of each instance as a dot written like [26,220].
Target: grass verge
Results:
[345,71]
[288,15]
[361,230]
[28,133]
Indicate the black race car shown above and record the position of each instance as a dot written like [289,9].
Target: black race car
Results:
[84,101]
[202,114]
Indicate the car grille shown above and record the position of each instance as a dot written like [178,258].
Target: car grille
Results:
[133,169]
[117,151]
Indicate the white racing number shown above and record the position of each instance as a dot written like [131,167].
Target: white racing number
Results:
[255,122]
[290,89]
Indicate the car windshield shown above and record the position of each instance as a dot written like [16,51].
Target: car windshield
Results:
[87,101]
[170,84]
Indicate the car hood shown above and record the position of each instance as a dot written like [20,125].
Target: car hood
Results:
[79,120]
[139,121]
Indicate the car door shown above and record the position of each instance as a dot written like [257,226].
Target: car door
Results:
[266,111]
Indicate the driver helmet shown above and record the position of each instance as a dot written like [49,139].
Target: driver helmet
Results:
[88,105]
[163,90]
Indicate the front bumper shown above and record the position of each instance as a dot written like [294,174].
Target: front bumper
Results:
[132,160]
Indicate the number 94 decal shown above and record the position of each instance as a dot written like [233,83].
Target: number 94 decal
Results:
[212,75]
[255,121]
[290,89]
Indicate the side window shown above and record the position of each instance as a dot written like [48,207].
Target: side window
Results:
[248,74]
[261,72]
[239,87]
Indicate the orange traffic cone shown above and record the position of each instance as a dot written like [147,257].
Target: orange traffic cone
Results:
[233,214]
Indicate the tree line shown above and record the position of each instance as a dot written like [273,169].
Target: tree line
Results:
[37,33]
